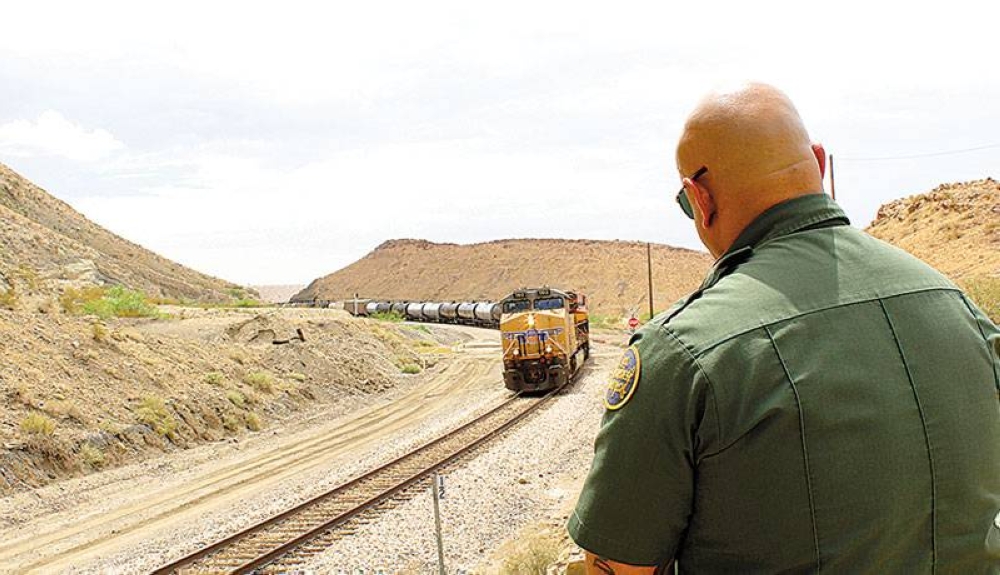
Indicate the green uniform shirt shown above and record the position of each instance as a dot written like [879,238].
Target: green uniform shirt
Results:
[824,402]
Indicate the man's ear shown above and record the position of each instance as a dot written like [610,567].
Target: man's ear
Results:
[820,154]
[702,200]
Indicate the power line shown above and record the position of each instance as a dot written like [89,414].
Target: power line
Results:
[914,156]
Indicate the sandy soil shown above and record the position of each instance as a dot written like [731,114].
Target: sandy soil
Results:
[73,523]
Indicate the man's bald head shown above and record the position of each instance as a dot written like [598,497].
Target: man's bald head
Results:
[757,152]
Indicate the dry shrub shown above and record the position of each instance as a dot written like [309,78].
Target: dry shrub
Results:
[38,424]
[260,380]
[99,331]
[236,398]
[231,422]
[92,456]
[152,411]
[253,421]
[8,299]
[73,300]
[985,292]
[65,409]
[540,551]
[215,378]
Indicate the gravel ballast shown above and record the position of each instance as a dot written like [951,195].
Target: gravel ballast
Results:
[515,481]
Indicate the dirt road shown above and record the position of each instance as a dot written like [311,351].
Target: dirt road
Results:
[135,518]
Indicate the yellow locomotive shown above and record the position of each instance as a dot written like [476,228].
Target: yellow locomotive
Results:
[546,338]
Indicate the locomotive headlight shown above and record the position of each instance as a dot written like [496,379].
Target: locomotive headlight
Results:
[531,320]
[517,352]
[548,349]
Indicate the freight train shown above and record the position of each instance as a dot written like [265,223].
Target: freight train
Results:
[545,332]
[481,314]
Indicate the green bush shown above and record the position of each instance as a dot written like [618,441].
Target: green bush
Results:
[411,368]
[38,424]
[393,316]
[152,411]
[260,380]
[116,301]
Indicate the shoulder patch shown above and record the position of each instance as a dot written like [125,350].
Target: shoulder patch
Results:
[624,379]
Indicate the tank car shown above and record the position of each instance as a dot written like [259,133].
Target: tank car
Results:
[431,311]
[449,312]
[467,313]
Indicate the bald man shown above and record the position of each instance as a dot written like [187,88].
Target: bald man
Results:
[823,402]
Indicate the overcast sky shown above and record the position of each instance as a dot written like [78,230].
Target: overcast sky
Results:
[276,143]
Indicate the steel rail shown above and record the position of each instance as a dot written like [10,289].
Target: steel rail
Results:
[381,496]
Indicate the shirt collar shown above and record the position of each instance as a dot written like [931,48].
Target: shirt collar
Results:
[780,220]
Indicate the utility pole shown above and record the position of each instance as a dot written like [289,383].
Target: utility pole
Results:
[833,183]
[649,270]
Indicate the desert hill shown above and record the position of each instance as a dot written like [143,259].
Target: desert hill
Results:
[955,228]
[45,244]
[611,273]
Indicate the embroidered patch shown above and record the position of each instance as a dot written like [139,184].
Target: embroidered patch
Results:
[624,379]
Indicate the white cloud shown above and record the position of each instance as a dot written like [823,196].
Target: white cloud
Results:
[53,135]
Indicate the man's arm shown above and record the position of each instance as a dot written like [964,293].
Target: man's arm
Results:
[600,566]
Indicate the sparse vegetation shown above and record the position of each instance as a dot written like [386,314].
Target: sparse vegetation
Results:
[534,558]
[23,395]
[66,409]
[152,411]
[8,299]
[393,316]
[91,455]
[260,380]
[253,421]
[28,275]
[411,368]
[215,378]
[300,377]
[38,424]
[985,292]
[99,332]
[109,427]
[236,398]
[116,301]
[231,422]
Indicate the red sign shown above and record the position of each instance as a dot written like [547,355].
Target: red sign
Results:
[633,323]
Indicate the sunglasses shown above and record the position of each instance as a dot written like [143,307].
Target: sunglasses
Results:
[682,199]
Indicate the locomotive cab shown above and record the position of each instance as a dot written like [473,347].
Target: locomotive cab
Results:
[545,337]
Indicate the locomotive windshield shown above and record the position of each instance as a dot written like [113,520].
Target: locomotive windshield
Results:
[516,305]
[549,303]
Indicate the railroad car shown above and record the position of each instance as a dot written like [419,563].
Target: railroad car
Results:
[545,334]
[480,314]
[431,311]
[413,311]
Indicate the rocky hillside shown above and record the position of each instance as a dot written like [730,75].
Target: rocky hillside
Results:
[46,245]
[611,273]
[955,228]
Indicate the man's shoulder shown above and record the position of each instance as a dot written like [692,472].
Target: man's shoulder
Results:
[794,276]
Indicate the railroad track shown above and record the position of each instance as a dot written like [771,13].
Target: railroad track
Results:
[286,541]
